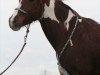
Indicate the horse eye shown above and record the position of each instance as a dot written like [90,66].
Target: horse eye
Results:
[31,0]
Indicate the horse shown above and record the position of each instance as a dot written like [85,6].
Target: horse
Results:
[75,39]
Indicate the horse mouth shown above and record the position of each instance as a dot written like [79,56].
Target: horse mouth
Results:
[14,26]
[17,26]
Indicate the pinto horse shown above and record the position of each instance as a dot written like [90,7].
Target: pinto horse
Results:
[76,39]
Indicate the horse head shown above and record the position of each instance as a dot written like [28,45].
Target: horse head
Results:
[27,12]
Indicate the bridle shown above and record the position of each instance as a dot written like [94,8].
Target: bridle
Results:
[25,40]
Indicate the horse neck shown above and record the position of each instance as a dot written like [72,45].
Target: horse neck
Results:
[55,23]
[55,33]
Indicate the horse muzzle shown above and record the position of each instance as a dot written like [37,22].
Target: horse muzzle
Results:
[15,24]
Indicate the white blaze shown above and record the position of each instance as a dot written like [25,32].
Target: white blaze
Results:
[14,14]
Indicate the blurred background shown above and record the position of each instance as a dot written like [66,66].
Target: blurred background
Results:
[38,57]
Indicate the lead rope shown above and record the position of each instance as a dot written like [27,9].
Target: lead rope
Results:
[25,39]
[63,49]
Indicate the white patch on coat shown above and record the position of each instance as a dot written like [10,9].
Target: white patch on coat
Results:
[80,20]
[62,70]
[70,15]
[49,11]
[71,43]
[15,13]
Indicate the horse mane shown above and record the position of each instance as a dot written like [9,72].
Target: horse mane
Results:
[68,7]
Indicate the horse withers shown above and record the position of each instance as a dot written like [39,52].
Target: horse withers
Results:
[76,39]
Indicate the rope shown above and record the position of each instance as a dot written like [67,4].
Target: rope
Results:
[63,49]
[25,39]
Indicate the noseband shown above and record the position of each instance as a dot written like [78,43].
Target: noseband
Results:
[21,10]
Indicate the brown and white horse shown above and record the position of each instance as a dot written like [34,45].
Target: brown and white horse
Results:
[61,24]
